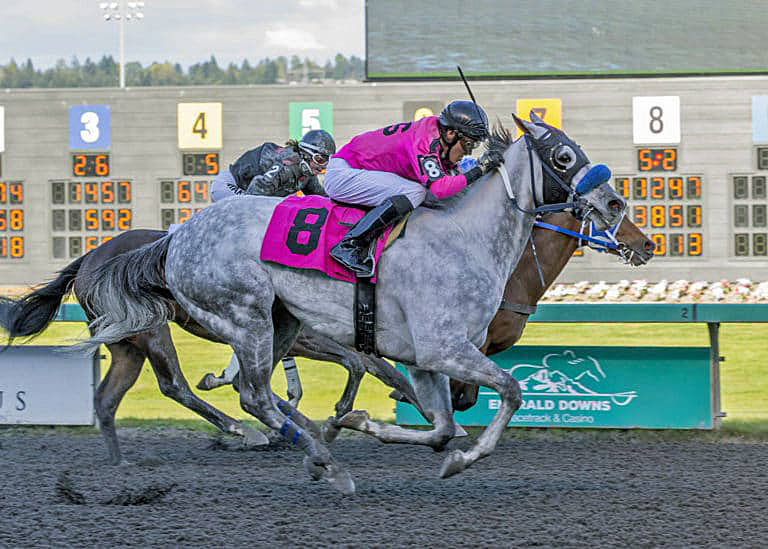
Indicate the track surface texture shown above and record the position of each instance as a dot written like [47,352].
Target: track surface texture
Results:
[188,488]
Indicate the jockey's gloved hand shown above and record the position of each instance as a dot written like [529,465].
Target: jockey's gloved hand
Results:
[489,161]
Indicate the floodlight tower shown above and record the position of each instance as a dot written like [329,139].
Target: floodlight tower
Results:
[122,11]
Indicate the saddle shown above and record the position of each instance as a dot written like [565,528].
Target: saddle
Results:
[301,233]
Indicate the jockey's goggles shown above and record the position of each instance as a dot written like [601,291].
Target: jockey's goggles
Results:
[467,143]
[320,159]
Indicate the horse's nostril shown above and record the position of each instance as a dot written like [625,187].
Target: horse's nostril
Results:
[615,205]
[649,246]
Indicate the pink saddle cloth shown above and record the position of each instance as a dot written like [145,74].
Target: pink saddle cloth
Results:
[302,231]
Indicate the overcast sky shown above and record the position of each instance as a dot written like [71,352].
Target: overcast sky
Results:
[184,31]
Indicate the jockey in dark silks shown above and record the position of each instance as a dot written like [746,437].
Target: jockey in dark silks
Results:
[393,168]
[271,170]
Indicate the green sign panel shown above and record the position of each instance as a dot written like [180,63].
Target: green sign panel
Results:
[610,387]
[310,116]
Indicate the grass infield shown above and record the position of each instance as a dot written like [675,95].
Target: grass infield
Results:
[744,374]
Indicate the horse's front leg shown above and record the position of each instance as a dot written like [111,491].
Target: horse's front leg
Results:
[464,362]
[433,395]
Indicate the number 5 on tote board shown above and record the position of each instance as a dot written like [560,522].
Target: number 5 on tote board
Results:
[90,127]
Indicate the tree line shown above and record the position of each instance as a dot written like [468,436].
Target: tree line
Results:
[105,73]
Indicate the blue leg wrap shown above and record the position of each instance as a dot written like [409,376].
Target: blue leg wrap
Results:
[289,426]
[285,408]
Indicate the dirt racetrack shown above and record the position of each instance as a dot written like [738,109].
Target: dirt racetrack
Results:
[187,488]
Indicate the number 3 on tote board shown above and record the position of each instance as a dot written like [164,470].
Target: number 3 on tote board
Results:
[656,119]
[90,127]
[199,125]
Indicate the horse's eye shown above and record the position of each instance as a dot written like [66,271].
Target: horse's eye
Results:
[564,157]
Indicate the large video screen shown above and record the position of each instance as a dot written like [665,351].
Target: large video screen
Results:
[534,38]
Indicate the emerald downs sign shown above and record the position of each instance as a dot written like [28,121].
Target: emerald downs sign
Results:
[609,387]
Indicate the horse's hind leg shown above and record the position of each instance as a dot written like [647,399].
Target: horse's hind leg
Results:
[159,348]
[434,400]
[123,371]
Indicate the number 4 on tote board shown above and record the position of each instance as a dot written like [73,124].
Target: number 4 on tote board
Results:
[656,119]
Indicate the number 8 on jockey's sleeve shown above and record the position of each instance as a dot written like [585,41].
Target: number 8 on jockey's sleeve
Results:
[392,168]
[272,170]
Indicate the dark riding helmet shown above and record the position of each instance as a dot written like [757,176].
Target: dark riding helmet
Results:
[467,118]
[317,142]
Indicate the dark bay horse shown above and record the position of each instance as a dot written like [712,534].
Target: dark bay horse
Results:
[31,314]
[464,252]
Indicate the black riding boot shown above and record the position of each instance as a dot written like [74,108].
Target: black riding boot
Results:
[354,251]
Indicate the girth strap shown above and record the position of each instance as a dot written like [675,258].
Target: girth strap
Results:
[521,308]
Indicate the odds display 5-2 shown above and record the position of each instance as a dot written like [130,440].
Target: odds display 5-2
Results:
[689,154]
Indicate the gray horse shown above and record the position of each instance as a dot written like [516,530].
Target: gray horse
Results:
[439,288]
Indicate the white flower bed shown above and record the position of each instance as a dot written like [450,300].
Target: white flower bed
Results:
[742,290]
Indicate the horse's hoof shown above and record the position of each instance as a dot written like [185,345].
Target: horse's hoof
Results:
[356,420]
[340,479]
[459,431]
[330,430]
[452,464]
[253,437]
[207,383]
[315,471]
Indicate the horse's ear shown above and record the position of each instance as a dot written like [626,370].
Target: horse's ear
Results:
[530,128]
[522,124]
[535,118]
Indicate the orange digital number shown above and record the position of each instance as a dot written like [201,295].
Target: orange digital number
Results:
[3,247]
[107,220]
[658,216]
[670,160]
[661,244]
[91,193]
[184,191]
[17,246]
[124,191]
[676,216]
[676,245]
[16,190]
[3,220]
[622,186]
[657,187]
[102,165]
[675,187]
[184,214]
[201,191]
[212,164]
[694,216]
[694,187]
[78,167]
[124,219]
[107,192]
[91,243]
[17,220]
[694,244]
[640,215]
[644,159]
[92,220]
[3,193]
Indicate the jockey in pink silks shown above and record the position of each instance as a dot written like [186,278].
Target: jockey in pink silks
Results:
[393,168]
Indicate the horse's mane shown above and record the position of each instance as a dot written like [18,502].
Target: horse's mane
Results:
[499,140]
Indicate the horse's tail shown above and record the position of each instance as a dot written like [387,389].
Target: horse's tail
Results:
[128,295]
[31,314]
